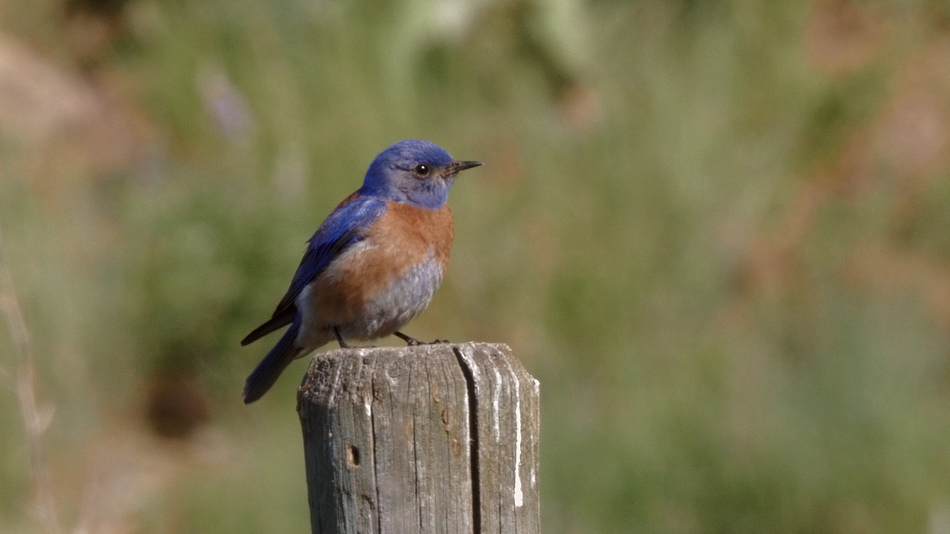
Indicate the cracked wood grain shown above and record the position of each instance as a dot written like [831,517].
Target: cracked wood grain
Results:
[431,438]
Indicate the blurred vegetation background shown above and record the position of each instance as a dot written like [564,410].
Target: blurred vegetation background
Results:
[716,232]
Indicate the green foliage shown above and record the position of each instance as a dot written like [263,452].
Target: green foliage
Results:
[733,331]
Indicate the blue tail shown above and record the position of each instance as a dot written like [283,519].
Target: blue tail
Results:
[273,364]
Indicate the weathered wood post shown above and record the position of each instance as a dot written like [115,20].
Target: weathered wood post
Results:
[432,438]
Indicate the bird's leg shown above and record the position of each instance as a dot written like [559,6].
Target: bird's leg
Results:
[412,342]
[339,338]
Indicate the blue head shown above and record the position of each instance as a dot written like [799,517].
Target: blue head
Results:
[414,172]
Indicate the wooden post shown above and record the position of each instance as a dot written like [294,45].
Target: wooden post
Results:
[432,438]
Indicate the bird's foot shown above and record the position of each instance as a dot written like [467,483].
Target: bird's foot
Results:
[412,342]
[339,339]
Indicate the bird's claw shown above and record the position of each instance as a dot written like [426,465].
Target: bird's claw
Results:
[413,342]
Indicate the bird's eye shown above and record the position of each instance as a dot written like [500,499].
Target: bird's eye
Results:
[421,169]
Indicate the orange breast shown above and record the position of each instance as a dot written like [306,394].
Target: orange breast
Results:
[403,237]
[415,232]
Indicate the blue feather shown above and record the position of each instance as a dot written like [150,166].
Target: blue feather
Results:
[279,357]
[344,227]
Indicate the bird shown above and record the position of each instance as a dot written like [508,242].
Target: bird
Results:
[372,266]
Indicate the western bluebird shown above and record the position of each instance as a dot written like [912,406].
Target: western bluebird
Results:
[373,265]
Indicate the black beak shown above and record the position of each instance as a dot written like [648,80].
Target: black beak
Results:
[457,166]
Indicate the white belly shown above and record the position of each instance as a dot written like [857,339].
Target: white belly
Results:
[380,316]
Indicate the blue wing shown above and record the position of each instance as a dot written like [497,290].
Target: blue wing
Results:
[344,227]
